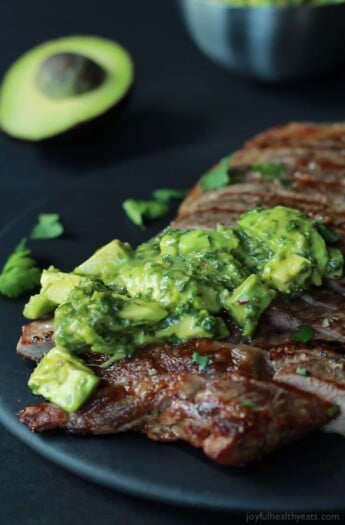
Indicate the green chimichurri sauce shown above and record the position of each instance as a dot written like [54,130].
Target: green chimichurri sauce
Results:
[176,286]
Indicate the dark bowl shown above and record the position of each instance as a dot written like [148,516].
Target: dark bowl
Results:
[269,43]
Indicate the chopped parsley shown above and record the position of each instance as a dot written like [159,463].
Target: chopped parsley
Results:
[48,227]
[271,171]
[248,403]
[217,177]
[20,273]
[201,360]
[138,211]
[333,410]
[301,371]
[304,334]
[328,235]
[166,194]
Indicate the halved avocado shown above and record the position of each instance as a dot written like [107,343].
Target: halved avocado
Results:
[61,84]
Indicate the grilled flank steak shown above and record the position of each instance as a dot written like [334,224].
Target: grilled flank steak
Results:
[240,401]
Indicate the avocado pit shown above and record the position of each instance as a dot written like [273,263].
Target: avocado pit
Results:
[64,75]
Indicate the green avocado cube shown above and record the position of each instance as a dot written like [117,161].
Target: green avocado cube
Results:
[38,306]
[56,287]
[194,241]
[224,238]
[247,302]
[63,379]
[104,263]
[169,245]
[287,273]
[141,311]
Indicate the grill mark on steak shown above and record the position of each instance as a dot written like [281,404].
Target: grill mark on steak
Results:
[160,391]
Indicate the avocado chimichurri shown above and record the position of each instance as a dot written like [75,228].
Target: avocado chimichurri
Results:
[176,286]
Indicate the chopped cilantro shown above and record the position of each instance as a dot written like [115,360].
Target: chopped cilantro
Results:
[217,177]
[20,273]
[301,371]
[271,171]
[304,334]
[201,360]
[248,403]
[328,235]
[137,210]
[48,227]
[333,410]
[166,194]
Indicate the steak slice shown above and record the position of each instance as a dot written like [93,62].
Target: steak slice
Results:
[131,385]
[233,417]
[321,309]
[236,419]
[318,370]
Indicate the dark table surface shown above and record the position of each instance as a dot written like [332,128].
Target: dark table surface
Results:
[180,99]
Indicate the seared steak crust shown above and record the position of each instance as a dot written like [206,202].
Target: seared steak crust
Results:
[250,399]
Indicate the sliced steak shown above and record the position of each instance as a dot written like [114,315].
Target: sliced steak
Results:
[318,370]
[235,419]
[232,417]
[129,388]
[323,311]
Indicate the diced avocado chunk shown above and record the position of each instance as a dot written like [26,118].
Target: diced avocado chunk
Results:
[287,274]
[194,241]
[142,311]
[285,231]
[224,239]
[38,306]
[247,302]
[63,379]
[104,263]
[189,326]
[169,245]
[56,287]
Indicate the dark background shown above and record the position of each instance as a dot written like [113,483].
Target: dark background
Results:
[180,99]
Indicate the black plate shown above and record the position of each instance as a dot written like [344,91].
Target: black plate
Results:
[308,475]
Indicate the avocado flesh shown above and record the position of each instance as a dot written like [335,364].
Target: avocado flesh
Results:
[26,112]
[63,379]
[56,287]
